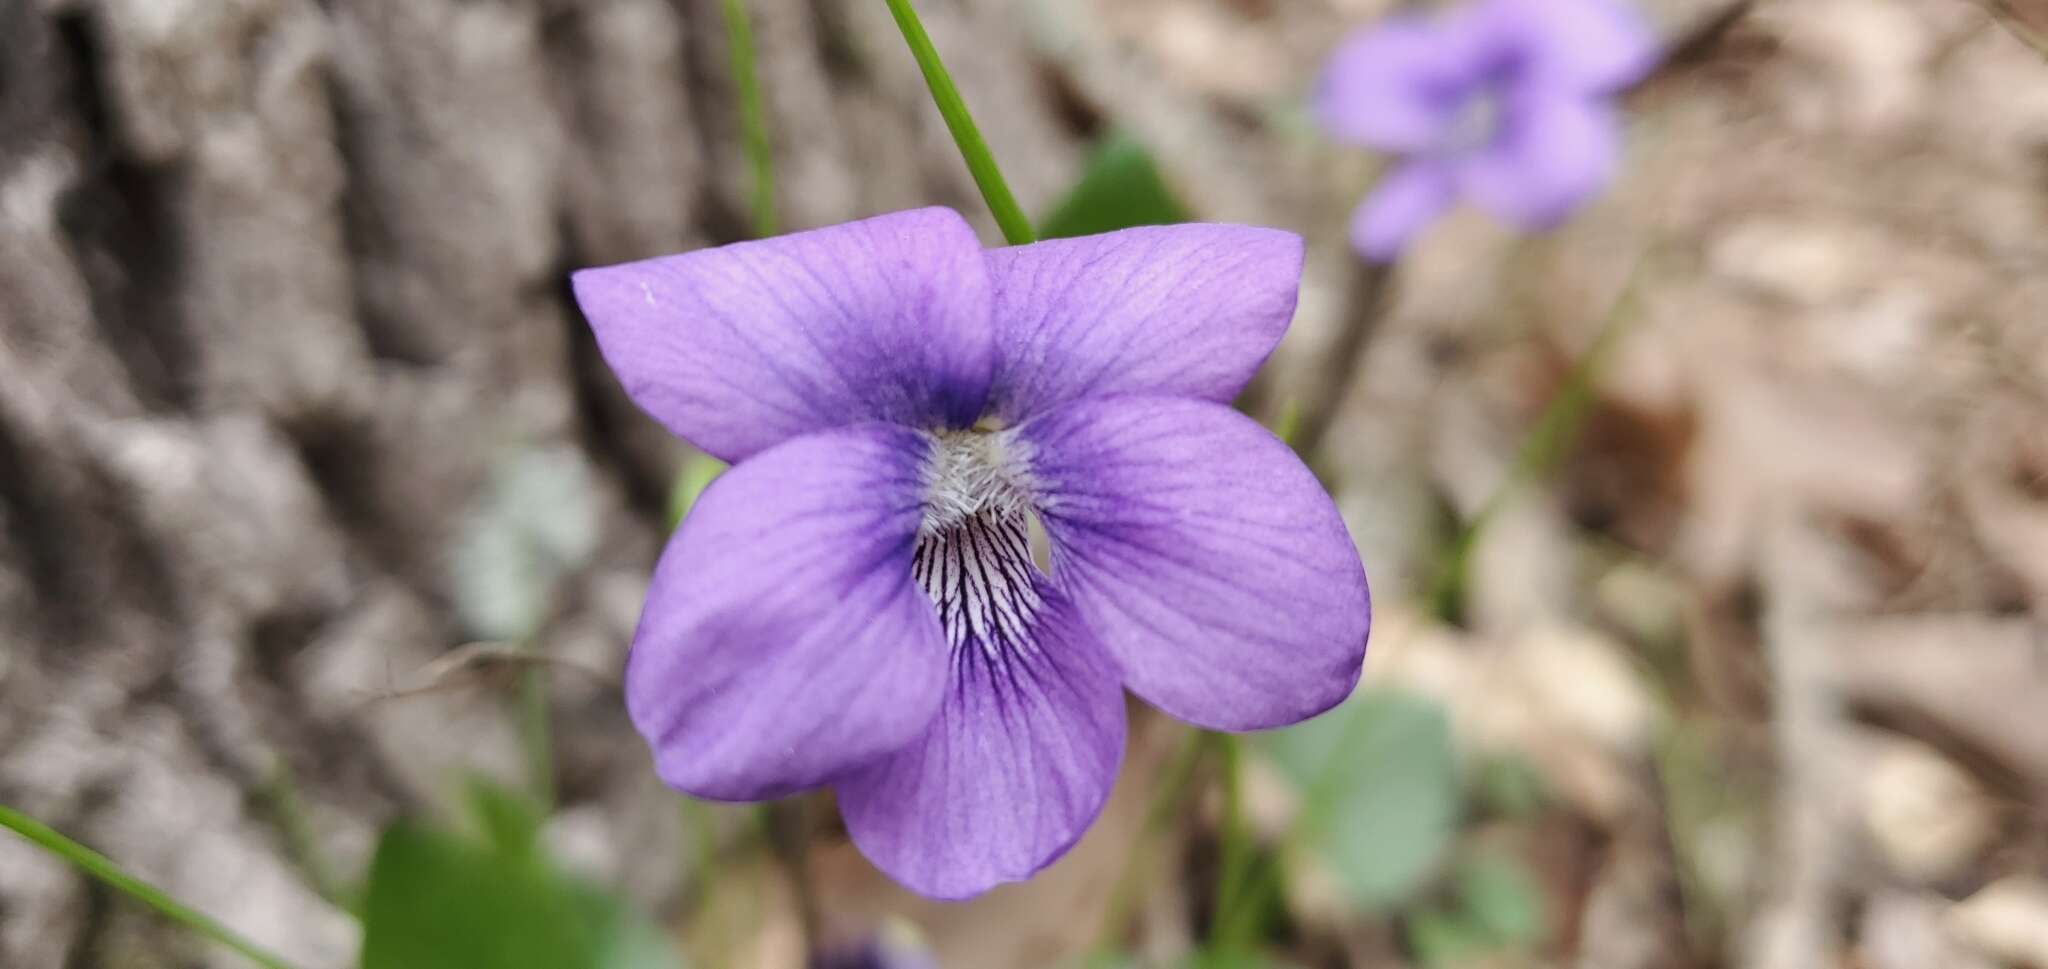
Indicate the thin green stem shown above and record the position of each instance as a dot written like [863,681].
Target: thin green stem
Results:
[1245,921]
[746,76]
[1234,841]
[707,923]
[281,793]
[537,732]
[1176,778]
[103,868]
[1546,444]
[973,148]
[788,823]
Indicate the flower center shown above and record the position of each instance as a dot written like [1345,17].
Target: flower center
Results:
[971,473]
[1476,124]
[973,554]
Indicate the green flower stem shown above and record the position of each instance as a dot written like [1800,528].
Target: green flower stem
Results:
[1174,782]
[536,729]
[103,868]
[280,793]
[1234,841]
[973,148]
[746,76]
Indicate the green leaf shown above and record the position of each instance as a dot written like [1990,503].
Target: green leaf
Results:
[1441,939]
[1499,908]
[1380,790]
[1120,188]
[511,824]
[440,901]
[1510,786]
[1501,899]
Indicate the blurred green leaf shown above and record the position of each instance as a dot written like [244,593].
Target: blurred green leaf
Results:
[437,900]
[1120,188]
[1498,907]
[510,823]
[1441,939]
[1510,786]
[1500,897]
[1381,796]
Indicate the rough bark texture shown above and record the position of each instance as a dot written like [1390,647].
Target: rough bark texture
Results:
[281,288]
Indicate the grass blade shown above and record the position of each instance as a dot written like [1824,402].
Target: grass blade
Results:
[103,868]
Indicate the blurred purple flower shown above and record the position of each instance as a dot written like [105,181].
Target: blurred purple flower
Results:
[879,953]
[855,603]
[1505,102]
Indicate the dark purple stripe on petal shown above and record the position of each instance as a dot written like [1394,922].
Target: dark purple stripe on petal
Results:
[1016,766]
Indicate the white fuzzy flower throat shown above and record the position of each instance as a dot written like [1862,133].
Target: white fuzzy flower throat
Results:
[973,553]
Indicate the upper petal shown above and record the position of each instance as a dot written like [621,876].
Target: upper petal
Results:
[1395,85]
[1572,46]
[1204,554]
[1554,152]
[1187,310]
[784,640]
[738,348]
[1013,770]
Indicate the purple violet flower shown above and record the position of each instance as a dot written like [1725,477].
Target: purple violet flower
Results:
[1506,102]
[855,603]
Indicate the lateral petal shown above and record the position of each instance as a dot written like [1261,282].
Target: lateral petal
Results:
[1204,554]
[784,641]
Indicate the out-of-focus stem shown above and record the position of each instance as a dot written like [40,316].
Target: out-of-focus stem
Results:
[103,868]
[1173,784]
[746,76]
[536,731]
[281,791]
[1555,430]
[981,163]
[1233,840]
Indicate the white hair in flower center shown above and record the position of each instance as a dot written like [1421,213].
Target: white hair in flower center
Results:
[973,473]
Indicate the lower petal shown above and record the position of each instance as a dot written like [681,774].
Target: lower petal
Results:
[1400,207]
[784,640]
[1015,767]
[1205,556]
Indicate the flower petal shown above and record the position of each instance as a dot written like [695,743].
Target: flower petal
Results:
[1395,85]
[1016,766]
[783,640]
[1188,310]
[738,348]
[1574,46]
[1403,204]
[1204,554]
[1555,151]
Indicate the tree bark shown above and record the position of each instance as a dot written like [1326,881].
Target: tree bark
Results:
[282,292]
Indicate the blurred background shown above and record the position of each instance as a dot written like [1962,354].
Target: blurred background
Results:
[1708,534]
